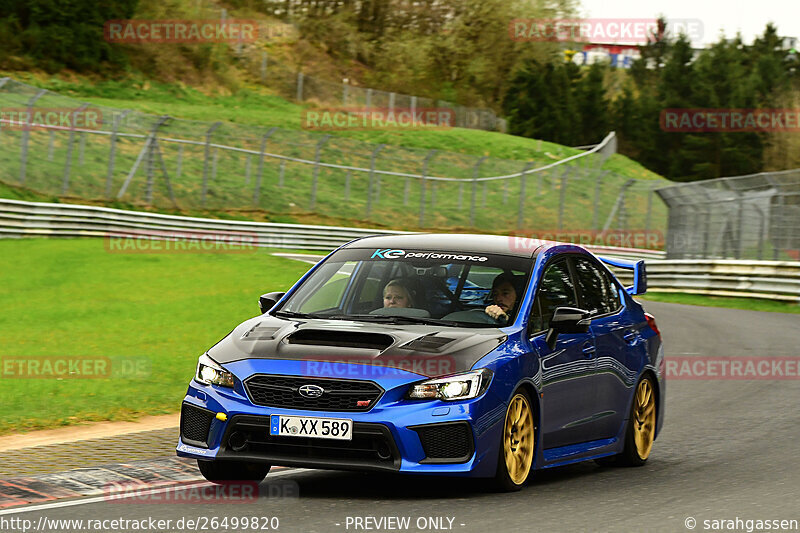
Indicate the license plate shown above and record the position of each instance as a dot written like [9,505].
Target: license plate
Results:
[307,426]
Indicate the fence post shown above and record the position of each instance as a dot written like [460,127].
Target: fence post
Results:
[347,185]
[113,150]
[423,183]
[264,67]
[521,210]
[649,213]
[315,178]
[179,164]
[25,134]
[150,158]
[205,161]
[413,106]
[51,145]
[68,162]
[368,99]
[596,201]
[144,151]
[299,97]
[561,198]
[281,172]
[257,189]
[618,205]
[391,101]
[475,173]
[371,183]
[344,94]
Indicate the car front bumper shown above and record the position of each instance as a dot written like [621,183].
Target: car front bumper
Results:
[396,434]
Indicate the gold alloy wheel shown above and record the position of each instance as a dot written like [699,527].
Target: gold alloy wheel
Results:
[644,418]
[518,440]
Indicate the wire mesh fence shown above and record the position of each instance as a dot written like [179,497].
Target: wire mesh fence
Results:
[292,83]
[186,165]
[742,217]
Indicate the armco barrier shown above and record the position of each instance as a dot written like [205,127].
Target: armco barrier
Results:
[775,280]
[36,219]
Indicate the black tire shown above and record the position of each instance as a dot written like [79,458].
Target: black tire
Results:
[222,472]
[503,481]
[631,455]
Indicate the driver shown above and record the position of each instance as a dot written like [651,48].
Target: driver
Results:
[395,294]
[504,298]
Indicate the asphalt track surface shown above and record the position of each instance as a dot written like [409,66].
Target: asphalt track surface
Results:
[729,449]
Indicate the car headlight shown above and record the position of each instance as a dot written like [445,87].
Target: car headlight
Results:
[210,373]
[457,387]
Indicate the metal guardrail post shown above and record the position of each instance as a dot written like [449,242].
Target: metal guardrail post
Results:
[70,142]
[257,189]
[206,154]
[23,164]
[521,209]
[423,183]
[113,150]
[315,177]
[371,185]
[475,175]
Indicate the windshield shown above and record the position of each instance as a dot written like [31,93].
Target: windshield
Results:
[413,286]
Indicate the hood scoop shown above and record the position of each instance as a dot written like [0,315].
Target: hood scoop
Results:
[260,333]
[431,343]
[342,339]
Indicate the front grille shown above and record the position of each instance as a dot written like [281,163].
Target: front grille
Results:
[371,447]
[447,442]
[195,423]
[338,395]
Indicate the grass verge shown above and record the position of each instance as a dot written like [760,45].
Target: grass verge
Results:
[751,304]
[71,298]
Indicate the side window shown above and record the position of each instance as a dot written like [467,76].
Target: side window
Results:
[598,293]
[556,289]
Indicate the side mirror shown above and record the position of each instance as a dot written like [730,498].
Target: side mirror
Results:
[567,320]
[268,301]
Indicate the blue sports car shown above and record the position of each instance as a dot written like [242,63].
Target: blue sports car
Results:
[383,358]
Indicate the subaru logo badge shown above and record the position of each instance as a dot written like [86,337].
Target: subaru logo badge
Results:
[311,391]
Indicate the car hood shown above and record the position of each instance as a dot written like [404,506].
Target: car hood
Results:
[427,350]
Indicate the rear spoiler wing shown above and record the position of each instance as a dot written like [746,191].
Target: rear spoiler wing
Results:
[639,273]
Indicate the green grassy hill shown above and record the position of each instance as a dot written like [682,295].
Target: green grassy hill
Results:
[340,200]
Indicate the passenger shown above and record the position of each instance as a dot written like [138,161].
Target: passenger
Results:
[395,294]
[504,296]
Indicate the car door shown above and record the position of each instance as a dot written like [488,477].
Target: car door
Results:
[567,372]
[615,338]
